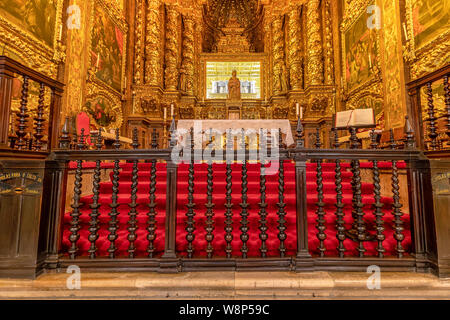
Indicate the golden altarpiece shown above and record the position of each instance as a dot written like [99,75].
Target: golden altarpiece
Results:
[185,52]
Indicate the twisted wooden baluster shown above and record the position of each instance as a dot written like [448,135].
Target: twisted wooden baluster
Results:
[358,205]
[263,204]
[396,205]
[95,205]
[75,215]
[112,224]
[447,103]
[39,119]
[228,204]
[431,118]
[132,221]
[209,206]
[320,204]
[340,224]
[190,223]
[151,222]
[281,205]
[378,205]
[22,116]
[244,204]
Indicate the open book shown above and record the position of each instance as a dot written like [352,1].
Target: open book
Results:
[360,118]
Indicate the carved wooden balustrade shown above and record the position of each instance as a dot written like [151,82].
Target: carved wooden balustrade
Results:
[322,209]
[37,132]
[433,128]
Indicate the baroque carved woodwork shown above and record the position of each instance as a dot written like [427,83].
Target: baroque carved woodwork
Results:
[314,44]
[171,49]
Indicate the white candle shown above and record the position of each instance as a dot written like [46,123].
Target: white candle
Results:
[301,112]
[165,113]
[171,110]
[297,109]
[405,32]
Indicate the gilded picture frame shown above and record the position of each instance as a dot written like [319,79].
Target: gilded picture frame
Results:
[118,21]
[374,63]
[433,52]
[34,52]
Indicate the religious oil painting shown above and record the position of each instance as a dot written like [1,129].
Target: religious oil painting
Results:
[101,112]
[431,18]
[36,17]
[361,50]
[107,49]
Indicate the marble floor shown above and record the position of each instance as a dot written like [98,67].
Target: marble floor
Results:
[228,285]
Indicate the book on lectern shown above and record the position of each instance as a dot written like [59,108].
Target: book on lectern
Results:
[359,118]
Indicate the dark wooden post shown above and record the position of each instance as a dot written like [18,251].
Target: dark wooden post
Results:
[303,260]
[6,86]
[423,228]
[54,119]
[53,206]
[169,261]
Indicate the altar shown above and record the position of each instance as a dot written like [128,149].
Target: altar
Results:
[255,125]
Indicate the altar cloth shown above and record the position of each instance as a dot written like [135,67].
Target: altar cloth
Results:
[224,125]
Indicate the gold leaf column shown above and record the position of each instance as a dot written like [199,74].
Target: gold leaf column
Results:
[278,53]
[138,54]
[171,52]
[314,68]
[153,70]
[187,65]
[328,46]
[295,49]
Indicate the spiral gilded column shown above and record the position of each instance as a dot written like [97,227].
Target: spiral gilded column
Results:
[138,46]
[295,49]
[278,53]
[187,65]
[153,69]
[329,62]
[171,50]
[314,65]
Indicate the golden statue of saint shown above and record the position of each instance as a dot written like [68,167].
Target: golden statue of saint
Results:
[234,88]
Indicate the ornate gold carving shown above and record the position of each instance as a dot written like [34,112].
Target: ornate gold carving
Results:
[314,44]
[95,91]
[328,44]
[278,53]
[34,52]
[187,65]
[295,56]
[395,106]
[171,51]
[430,56]
[153,66]
[138,47]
